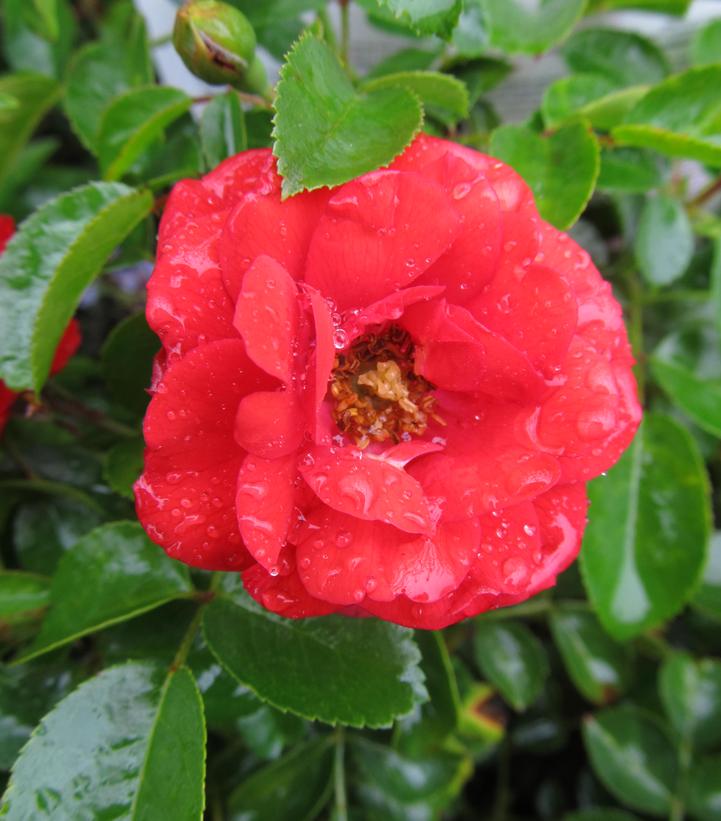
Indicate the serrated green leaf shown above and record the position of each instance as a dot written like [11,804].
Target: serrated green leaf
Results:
[687,365]
[598,666]
[127,362]
[294,788]
[630,170]
[112,574]
[310,667]
[664,240]
[516,26]
[691,695]
[675,7]
[706,44]
[633,757]
[512,659]
[132,122]
[222,129]
[35,95]
[561,169]
[708,596]
[47,265]
[425,16]
[608,111]
[23,596]
[325,132]
[441,94]
[680,117]
[566,98]
[623,58]
[407,59]
[645,544]
[704,789]
[123,465]
[128,743]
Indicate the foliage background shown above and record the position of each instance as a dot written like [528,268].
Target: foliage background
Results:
[130,687]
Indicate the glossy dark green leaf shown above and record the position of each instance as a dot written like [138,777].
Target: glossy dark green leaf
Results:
[294,788]
[49,263]
[132,122]
[441,94]
[112,574]
[128,743]
[561,168]
[327,133]
[624,58]
[598,666]
[708,595]
[645,544]
[706,44]
[397,788]
[425,16]
[629,170]
[35,95]
[100,71]
[691,695]
[704,789]
[512,659]
[23,596]
[127,362]
[633,758]
[515,27]
[310,667]
[687,365]
[680,117]
[222,129]
[664,241]
[123,465]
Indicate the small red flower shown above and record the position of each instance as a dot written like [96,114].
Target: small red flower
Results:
[67,346]
[384,398]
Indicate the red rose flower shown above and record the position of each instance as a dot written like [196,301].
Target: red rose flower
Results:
[66,347]
[384,398]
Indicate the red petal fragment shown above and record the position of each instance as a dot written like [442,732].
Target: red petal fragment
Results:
[269,423]
[7,400]
[379,233]
[268,226]
[322,361]
[364,486]
[404,452]
[250,172]
[264,502]
[284,595]
[388,309]
[535,310]
[7,229]
[266,316]
[69,343]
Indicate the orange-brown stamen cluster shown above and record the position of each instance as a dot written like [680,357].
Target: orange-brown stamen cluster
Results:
[377,394]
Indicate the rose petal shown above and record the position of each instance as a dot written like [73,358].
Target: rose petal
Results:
[322,362]
[247,173]
[388,309]
[269,423]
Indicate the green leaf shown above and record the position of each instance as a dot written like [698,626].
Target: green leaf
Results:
[633,757]
[676,7]
[561,168]
[704,789]
[128,743]
[127,362]
[22,597]
[706,44]
[35,95]
[294,788]
[598,666]
[708,595]
[566,98]
[715,276]
[630,170]
[607,112]
[623,58]
[29,44]
[132,122]
[397,788]
[101,71]
[441,94]
[222,129]
[27,165]
[664,240]
[311,667]
[645,544]
[691,695]
[112,574]
[481,75]
[407,59]
[425,16]
[512,659]
[326,133]
[687,365]
[680,117]
[600,814]
[48,264]
[123,465]
[517,26]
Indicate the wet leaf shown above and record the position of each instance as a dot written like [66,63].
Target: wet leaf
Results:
[691,695]
[664,240]
[514,26]
[222,129]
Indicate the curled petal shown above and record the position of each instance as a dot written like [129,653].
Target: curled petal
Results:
[269,423]
[388,309]
[322,362]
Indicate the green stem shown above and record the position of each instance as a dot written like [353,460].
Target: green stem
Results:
[59,399]
[685,755]
[503,782]
[706,194]
[186,642]
[341,798]
[344,31]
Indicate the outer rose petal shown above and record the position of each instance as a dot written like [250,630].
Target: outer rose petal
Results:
[343,559]
[379,233]
[185,496]
[387,309]
[284,595]
[269,423]
[250,172]
[355,482]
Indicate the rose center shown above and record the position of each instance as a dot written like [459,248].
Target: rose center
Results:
[376,393]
